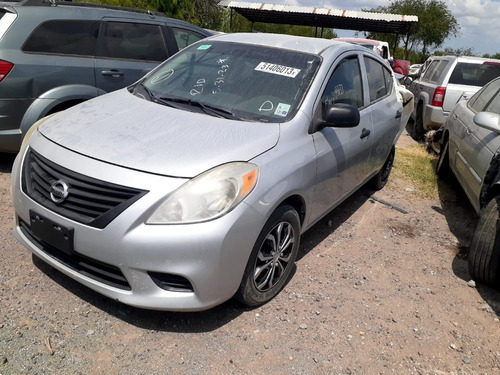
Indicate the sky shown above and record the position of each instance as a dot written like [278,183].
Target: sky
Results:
[479,20]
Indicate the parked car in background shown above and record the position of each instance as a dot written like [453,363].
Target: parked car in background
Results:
[382,48]
[444,81]
[415,70]
[56,54]
[194,184]
[471,149]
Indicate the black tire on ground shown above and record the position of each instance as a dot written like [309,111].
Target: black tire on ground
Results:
[484,253]
[381,178]
[443,164]
[418,124]
[273,258]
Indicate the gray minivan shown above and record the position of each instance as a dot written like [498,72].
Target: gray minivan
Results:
[57,54]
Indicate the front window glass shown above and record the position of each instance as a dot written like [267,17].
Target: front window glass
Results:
[344,85]
[242,81]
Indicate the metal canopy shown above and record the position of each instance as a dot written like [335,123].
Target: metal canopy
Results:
[322,17]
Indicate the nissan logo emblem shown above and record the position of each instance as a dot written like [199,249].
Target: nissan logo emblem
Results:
[59,191]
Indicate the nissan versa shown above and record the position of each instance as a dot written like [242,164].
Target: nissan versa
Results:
[195,184]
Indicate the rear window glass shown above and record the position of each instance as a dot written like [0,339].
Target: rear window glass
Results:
[474,74]
[435,70]
[487,99]
[134,41]
[184,38]
[379,79]
[64,37]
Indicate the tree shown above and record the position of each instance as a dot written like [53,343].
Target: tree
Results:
[435,24]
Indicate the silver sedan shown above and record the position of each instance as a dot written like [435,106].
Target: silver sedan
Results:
[195,184]
[470,148]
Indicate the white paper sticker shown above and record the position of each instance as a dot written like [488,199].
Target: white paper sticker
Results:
[277,69]
[282,110]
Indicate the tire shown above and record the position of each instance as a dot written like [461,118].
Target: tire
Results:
[381,178]
[268,270]
[418,125]
[484,253]
[443,164]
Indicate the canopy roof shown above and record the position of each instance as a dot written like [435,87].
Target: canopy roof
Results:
[322,17]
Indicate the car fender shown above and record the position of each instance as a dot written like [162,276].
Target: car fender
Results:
[52,98]
[491,184]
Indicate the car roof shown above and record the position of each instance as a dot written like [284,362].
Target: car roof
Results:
[292,42]
[471,59]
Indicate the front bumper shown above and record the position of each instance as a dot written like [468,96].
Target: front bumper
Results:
[210,256]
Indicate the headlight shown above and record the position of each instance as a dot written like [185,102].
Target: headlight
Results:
[208,196]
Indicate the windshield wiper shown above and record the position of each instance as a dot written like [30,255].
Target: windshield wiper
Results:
[206,108]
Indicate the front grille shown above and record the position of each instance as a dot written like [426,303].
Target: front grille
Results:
[96,270]
[90,201]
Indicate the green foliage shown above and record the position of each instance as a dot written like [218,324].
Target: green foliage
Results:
[416,165]
[435,24]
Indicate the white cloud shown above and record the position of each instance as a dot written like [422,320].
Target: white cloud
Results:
[479,20]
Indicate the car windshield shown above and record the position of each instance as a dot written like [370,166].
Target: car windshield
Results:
[232,80]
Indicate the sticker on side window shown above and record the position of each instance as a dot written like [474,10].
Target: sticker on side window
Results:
[277,69]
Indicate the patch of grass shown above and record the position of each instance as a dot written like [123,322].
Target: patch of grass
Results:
[415,165]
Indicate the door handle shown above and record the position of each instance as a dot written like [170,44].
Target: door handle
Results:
[112,73]
[364,133]
[398,114]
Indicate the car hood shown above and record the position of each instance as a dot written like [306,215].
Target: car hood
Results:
[122,129]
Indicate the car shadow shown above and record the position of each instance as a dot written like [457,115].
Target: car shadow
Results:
[216,317]
[165,321]
[6,161]
[462,221]
[332,221]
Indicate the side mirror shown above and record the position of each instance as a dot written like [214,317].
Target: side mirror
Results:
[342,115]
[488,120]
[408,81]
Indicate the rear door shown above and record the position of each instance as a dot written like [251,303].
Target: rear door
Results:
[127,50]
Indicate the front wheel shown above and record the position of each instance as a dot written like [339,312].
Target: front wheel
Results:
[443,164]
[484,253]
[272,259]
[381,178]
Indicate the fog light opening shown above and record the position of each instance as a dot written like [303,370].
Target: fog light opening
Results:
[171,283]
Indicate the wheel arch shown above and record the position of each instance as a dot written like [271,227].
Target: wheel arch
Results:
[57,99]
[298,204]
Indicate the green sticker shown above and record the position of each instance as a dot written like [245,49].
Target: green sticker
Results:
[205,46]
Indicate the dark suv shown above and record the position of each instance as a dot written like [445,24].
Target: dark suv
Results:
[56,54]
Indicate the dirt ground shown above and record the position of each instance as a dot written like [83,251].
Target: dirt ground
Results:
[381,286]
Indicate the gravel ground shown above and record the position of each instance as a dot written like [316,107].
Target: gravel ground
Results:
[380,286]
